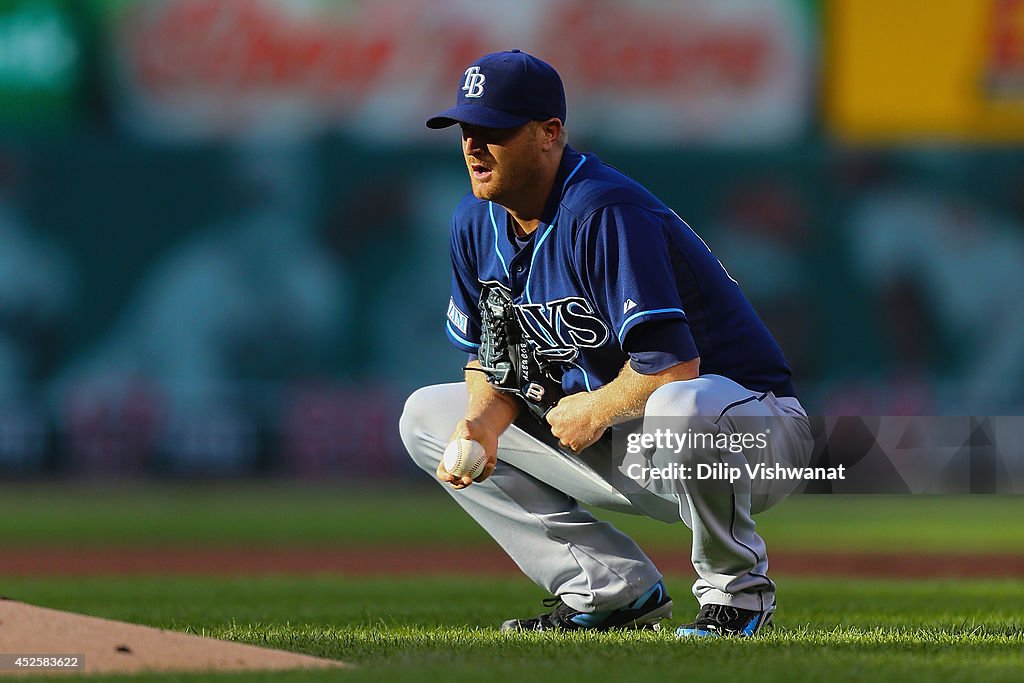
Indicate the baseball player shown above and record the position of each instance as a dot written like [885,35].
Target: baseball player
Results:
[586,303]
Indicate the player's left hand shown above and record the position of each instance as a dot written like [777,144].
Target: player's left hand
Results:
[575,422]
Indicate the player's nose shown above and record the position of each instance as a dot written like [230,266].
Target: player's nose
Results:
[471,143]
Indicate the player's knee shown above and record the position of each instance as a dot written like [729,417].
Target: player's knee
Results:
[684,408]
[416,430]
[691,398]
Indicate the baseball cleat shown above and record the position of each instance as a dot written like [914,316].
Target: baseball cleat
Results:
[647,611]
[725,620]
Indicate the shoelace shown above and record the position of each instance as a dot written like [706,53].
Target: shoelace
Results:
[553,618]
[718,614]
[542,621]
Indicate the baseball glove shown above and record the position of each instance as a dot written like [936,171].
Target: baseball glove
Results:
[508,358]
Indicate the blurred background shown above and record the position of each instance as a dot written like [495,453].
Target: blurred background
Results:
[223,225]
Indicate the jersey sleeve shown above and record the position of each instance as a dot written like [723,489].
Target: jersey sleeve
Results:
[463,320]
[626,266]
[657,345]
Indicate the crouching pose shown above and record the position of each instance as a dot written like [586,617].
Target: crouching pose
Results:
[589,310]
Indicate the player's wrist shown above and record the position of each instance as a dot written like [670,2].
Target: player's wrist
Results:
[487,424]
[600,408]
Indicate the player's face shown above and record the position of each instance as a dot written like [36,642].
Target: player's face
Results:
[503,163]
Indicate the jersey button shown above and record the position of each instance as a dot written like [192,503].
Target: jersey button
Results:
[520,269]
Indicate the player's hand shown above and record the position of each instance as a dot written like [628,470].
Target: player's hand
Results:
[575,422]
[469,430]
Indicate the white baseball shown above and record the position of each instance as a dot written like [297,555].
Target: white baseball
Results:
[465,458]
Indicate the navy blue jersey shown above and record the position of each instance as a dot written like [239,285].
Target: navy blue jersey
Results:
[607,259]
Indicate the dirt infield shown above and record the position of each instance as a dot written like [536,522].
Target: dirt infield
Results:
[370,561]
[94,645]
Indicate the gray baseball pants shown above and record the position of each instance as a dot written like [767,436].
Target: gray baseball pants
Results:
[531,504]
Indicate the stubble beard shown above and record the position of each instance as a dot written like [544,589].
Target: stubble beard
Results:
[510,186]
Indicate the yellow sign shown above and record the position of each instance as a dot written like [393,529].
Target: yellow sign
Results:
[904,70]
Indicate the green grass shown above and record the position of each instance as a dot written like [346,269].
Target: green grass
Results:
[443,629]
[407,628]
[383,513]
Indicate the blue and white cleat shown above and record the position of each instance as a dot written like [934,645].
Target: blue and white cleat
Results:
[647,611]
[724,620]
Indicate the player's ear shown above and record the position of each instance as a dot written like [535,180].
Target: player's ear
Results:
[551,133]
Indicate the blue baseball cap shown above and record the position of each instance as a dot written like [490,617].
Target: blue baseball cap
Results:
[505,90]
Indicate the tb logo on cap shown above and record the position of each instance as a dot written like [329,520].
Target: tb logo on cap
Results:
[474,85]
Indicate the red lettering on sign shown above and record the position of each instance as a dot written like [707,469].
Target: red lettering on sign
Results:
[1005,75]
[626,48]
[245,45]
